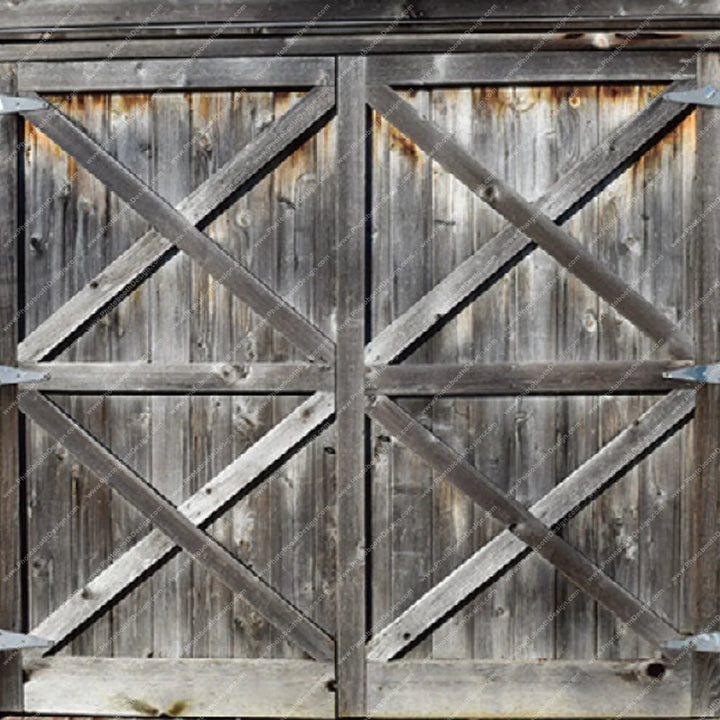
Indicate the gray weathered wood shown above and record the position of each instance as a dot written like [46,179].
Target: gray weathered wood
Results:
[550,378]
[150,250]
[552,689]
[199,509]
[510,243]
[705,684]
[563,15]
[154,45]
[122,687]
[154,75]
[515,69]
[198,378]
[173,224]
[11,570]
[521,522]
[183,531]
[350,404]
[705,261]
[561,502]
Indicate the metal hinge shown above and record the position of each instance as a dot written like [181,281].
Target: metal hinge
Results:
[16,376]
[18,641]
[707,642]
[10,105]
[696,373]
[699,96]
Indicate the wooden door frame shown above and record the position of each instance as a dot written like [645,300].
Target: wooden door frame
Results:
[357,80]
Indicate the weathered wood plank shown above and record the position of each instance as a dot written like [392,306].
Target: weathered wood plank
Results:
[521,522]
[561,502]
[173,224]
[151,250]
[11,571]
[185,533]
[200,508]
[553,689]
[509,244]
[154,75]
[61,14]
[198,378]
[144,45]
[705,532]
[529,378]
[350,375]
[506,68]
[127,687]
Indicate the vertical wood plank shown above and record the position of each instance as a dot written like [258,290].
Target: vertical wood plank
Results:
[11,692]
[129,340]
[620,208]
[49,479]
[350,378]
[452,242]
[493,341]
[576,127]
[535,340]
[211,339]
[170,342]
[706,266]
[250,219]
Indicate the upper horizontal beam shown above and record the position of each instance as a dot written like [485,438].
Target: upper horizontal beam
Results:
[512,68]
[134,75]
[347,14]
[152,42]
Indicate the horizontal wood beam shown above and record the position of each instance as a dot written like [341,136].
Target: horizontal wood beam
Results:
[227,568]
[131,687]
[154,75]
[317,14]
[127,378]
[547,378]
[511,68]
[530,220]
[203,506]
[494,559]
[528,688]
[133,266]
[154,43]
[575,566]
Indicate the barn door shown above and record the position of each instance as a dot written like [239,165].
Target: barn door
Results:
[483,294]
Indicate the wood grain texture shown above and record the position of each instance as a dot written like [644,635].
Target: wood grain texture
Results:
[201,507]
[11,572]
[160,213]
[705,261]
[533,222]
[489,562]
[513,69]
[158,75]
[185,533]
[196,378]
[124,687]
[553,689]
[507,245]
[521,522]
[137,262]
[350,375]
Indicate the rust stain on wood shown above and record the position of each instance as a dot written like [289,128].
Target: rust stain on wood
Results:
[404,144]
